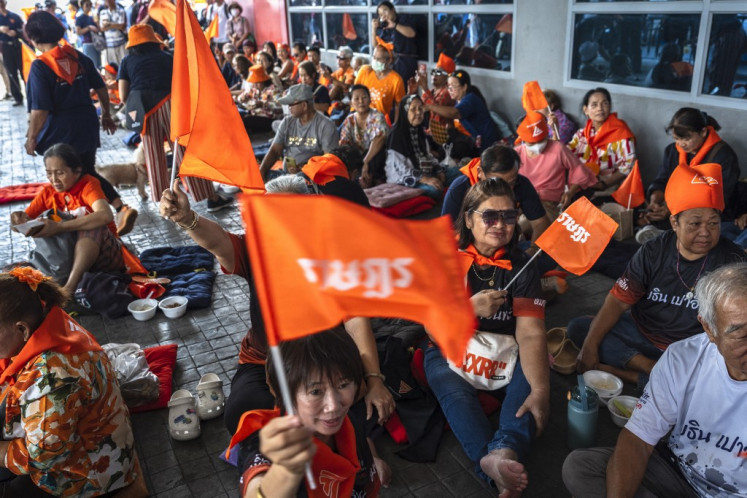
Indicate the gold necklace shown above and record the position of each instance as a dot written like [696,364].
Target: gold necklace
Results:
[490,280]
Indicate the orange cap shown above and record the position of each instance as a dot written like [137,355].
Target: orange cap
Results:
[257,74]
[446,63]
[139,34]
[533,128]
[691,187]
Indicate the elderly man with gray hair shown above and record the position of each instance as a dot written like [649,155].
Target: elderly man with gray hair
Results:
[338,82]
[697,394]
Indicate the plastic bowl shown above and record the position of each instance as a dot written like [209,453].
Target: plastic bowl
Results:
[618,417]
[143,309]
[171,311]
[605,384]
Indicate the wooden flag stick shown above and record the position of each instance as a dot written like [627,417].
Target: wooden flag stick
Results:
[630,198]
[523,268]
[554,125]
[173,163]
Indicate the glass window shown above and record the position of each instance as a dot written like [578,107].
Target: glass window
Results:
[357,3]
[471,2]
[403,2]
[304,3]
[307,28]
[347,29]
[726,71]
[647,50]
[475,40]
[607,1]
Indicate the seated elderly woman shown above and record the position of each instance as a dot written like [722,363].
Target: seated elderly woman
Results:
[410,158]
[324,375]
[652,305]
[366,129]
[79,206]
[309,76]
[66,429]
[486,229]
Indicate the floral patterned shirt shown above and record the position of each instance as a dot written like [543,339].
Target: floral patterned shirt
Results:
[616,156]
[352,134]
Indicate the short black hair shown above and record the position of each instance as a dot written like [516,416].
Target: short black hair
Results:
[43,27]
[499,158]
[300,46]
[350,155]
[314,49]
[363,88]
[67,153]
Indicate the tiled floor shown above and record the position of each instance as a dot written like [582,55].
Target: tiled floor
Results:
[209,339]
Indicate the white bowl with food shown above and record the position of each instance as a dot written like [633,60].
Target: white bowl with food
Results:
[143,309]
[174,306]
[605,384]
[621,408]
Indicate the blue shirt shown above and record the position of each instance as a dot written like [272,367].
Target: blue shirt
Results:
[83,21]
[13,21]
[527,198]
[475,117]
[151,71]
[72,117]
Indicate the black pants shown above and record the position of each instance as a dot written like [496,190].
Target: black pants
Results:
[13,62]
[88,160]
[249,391]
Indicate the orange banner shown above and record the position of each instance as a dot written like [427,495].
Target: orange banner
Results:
[532,98]
[203,116]
[577,237]
[322,259]
[164,12]
[630,193]
[28,55]
[348,29]
[212,30]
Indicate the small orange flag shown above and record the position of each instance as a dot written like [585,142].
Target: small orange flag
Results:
[27,11]
[164,12]
[505,24]
[203,116]
[348,29]
[310,275]
[532,98]
[212,30]
[631,193]
[578,236]
[28,55]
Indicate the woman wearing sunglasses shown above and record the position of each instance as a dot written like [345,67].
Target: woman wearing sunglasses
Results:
[486,228]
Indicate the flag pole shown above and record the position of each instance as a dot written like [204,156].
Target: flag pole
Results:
[630,198]
[554,125]
[277,360]
[524,268]
[173,163]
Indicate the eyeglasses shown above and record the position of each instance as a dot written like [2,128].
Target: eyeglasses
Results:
[296,103]
[438,72]
[296,55]
[492,216]
[341,58]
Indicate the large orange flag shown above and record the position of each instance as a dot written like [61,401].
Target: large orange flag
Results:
[28,55]
[348,29]
[532,98]
[578,236]
[212,30]
[631,193]
[311,274]
[164,12]
[203,116]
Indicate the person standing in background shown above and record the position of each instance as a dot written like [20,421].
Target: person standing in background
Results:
[113,22]
[11,32]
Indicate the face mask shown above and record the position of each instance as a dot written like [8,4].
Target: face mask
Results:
[235,12]
[537,148]
[377,66]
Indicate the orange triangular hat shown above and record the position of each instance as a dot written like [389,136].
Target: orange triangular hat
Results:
[446,63]
[692,187]
[533,128]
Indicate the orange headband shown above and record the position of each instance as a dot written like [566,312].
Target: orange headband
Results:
[29,276]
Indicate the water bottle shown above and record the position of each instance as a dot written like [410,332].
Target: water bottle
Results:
[582,421]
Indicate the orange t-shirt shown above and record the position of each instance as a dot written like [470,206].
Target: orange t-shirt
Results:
[385,92]
[347,77]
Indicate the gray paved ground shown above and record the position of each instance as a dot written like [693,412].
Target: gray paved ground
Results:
[209,340]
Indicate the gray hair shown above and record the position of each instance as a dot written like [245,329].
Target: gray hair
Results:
[717,286]
[287,184]
[346,52]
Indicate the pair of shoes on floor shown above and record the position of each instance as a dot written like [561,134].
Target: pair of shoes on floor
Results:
[125,220]
[218,204]
[18,103]
[186,410]
[562,350]
[647,233]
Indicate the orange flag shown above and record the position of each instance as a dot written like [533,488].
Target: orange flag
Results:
[578,236]
[203,116]
[164,12]
[348,29]
[28,55]
[27,11]
[505,24]
[310,275]
[532,98]
[212,30]
[631,193]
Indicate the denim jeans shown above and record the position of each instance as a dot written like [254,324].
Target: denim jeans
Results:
[458,400]
[732,232]
[621,343]
[93,54]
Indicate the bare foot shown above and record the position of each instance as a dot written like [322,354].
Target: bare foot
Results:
[384,471]
[509,475]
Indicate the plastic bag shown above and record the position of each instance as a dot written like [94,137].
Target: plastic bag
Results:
[137,383]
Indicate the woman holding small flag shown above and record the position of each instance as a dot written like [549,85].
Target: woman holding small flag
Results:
[515,317]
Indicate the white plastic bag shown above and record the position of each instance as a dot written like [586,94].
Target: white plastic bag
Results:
[136,382]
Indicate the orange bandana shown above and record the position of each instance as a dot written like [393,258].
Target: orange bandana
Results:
[470,170]
[389,47]
[613,130]
[470,256]
[333,471]
[691,187]
[63,60]
[323,169]
[711,140]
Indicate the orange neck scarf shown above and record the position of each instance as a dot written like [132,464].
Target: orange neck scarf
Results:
[711,140]
[470,170]
[58,332]
[63,60]
[334,472]
[323,169]
[612,130]
[470,256]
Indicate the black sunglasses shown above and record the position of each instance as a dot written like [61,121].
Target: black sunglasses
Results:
[492,216]
[341,58]
[438,72]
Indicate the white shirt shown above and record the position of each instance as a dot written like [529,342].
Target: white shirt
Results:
[691,391]
[223,16]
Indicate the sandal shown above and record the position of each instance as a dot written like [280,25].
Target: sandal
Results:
[555,338]
[565,360]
